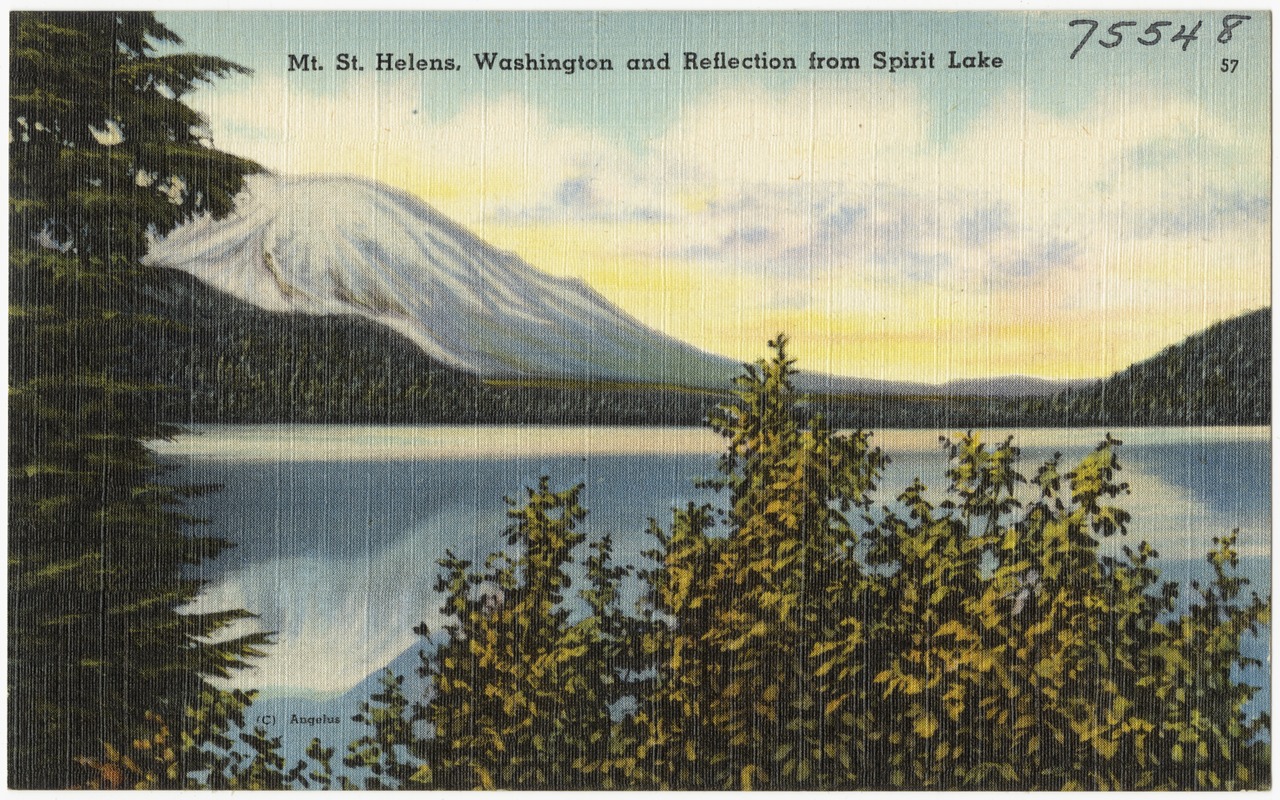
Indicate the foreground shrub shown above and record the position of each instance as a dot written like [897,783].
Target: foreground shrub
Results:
[802,638]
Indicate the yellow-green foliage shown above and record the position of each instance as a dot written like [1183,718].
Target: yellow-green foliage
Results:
[520,692]
[797,640]
[982,643]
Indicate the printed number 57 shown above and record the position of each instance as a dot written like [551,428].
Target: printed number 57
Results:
[1229,64]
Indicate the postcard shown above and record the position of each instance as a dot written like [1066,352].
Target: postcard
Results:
[640,400]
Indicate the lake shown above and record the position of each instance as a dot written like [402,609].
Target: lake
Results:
[338,528]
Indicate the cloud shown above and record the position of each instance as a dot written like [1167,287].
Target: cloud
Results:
[577,199]
[839,177]
[983,225]
[832,210]
[1054,254]
[1214,211]
[477,164]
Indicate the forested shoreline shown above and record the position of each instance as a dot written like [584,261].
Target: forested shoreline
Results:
[226,361]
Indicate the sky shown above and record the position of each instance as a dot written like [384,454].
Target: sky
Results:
[1057,216]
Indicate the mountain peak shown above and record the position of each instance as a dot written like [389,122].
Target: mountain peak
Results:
[328,244]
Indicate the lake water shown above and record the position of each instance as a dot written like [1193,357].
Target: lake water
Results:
[338,528]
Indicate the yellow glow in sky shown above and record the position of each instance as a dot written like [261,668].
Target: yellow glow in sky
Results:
[1060,243]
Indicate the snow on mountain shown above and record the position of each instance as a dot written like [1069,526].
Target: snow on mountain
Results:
[344,245]
[326,244]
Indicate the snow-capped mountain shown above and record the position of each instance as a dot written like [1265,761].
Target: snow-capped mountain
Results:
[328,244]
[344,245]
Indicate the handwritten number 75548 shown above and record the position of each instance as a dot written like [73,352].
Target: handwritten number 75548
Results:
[1153,34]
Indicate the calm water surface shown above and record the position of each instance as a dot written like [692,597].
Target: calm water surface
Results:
[338,528]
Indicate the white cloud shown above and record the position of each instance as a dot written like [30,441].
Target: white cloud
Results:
[826,198]
[492,155]
[842,177]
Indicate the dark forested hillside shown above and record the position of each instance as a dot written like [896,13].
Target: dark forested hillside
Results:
[230,362]
[1221,376]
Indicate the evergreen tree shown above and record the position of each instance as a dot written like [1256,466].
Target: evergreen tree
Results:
[1015,654]
[102,153]
[744,699]
[798,640]
[985,642]
[520,691]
